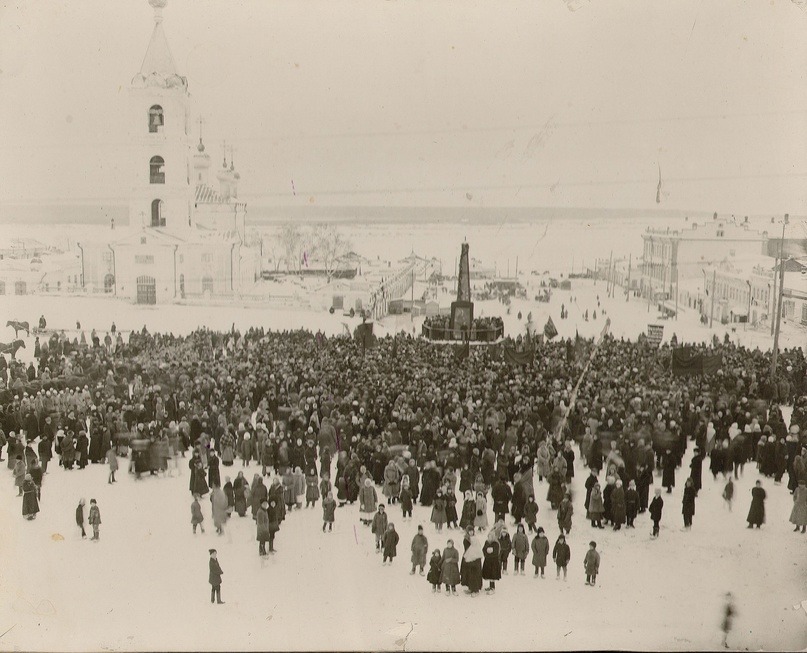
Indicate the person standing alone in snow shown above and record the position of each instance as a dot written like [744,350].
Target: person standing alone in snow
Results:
[756,514]
[591,563]
[655,509]
[94,519]
[728,493]
[80,517]
[215,577]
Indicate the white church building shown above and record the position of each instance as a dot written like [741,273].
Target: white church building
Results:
[187,237]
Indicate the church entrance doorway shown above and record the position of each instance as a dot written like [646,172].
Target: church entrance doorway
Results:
[146,290]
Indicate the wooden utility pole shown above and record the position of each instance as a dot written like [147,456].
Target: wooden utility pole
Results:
[650,276]
[608,279]
[412,309]
[779,300]
[676,292]
[627,285]
[714,292]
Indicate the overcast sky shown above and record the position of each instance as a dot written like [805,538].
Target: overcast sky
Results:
[426,102]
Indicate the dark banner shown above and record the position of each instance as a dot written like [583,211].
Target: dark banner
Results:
[687,363]
[514,357]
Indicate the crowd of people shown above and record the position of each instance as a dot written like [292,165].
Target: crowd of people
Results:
[325,419]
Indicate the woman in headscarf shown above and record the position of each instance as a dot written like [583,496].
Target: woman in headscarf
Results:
[472,560]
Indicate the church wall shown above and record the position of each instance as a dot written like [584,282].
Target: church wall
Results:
[206,269]
[152,260]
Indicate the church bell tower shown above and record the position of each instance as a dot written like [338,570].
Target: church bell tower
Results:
[159,117]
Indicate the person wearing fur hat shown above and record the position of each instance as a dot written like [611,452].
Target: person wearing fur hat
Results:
[420,545]
[561,554]
[540,551]
[390,543]
[379,526]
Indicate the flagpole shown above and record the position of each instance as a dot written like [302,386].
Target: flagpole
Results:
[573,396]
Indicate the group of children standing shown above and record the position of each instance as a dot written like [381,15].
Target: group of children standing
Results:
[448,568]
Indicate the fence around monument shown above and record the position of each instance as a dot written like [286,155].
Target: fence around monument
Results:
[491,334]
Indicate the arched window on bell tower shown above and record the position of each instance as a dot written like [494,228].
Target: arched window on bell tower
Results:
[156,119]
[157,218]
[157,170]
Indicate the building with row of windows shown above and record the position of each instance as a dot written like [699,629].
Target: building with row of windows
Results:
[187,235]
[674,256]
[749,293]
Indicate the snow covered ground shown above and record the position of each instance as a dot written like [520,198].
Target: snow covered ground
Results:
[628,318]
[144,584]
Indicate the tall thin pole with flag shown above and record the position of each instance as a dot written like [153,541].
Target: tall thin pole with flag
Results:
[573,396]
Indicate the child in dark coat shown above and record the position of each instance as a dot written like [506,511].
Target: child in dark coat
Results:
[655,509]
[390,543]
[405,498]
[435,568]
[380,521]
[215,578]
[94,519]
[531,514]
[561,554]
[591,563]
[505,546]
[328,512]
[521,549]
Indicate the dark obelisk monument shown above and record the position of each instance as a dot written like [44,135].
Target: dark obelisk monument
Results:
[462,310]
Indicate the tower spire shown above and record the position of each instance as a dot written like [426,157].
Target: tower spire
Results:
[201,146]
[158,6]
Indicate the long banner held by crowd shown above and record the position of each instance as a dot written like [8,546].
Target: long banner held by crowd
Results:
[687,363]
